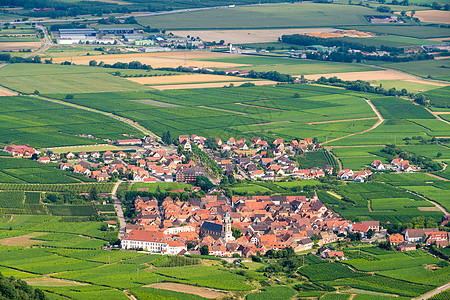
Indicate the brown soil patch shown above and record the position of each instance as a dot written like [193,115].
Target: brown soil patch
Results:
[49,281]
[156,103]
[334,194]
[23,240]
[433,16]
[428,208]
[184,288]
[257,106]
[432,267]
[15,46]
[341,33]
[441,57]
[440,39]
[337,121]
[112,1]
[206,85]
[247,36]
[189,78]
[366,76]
[224,110]
[156,60]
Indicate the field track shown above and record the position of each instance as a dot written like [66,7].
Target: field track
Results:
[121,119]
[337,121]
[378,123]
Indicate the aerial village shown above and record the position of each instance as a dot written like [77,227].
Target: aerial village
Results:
[149,160]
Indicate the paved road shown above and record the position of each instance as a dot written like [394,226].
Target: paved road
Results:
[47,42]
[434,292]
[119,210]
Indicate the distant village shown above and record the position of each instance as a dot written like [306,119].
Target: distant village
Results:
[148,160]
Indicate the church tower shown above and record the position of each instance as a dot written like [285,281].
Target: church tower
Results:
[227,234]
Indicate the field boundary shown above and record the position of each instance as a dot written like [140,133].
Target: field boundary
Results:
[129,122]
[378,123]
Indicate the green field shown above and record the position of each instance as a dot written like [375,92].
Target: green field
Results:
[377,201]
[439,97]
[421,32]
[273,16]
[266,111]
[411,87]
[39,123]
[27,78]
[437,69]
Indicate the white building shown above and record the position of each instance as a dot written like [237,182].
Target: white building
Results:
[176,230]
[152,241]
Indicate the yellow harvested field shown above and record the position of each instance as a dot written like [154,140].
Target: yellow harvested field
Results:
[433,16]
[366,76]
[5,92]
[247,36]
[190,78]
[157,60]
[428,82]
[189,289]
[208,85]
[341,33]
[23,240]
[15,46]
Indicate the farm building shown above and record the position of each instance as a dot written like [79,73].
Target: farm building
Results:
[116,31]
[76,36]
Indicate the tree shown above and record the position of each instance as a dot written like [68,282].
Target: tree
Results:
[236,232]
[297,95]
[204,250]
[69,96]
[36,92]
[92,63]
[93,195]
[370,233]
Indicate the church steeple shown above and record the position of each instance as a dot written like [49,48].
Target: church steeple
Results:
[227,233]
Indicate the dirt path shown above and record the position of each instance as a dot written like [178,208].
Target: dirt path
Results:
[129,295]
[118,118]
[22,240]
[344,120]
[12,216]
[436,176]
[437,113]
[378,123]
[263,107]
[442,209]
[434,292]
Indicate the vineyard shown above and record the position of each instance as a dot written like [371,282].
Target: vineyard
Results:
[102,188]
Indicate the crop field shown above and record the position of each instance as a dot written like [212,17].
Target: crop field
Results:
[265,111]
[163,186]
[358,157]
[27,78]
[190,78]
[30,120]
[316,159]
[77,188]
[415,86]
[439,97]
[289,65]
[433,16]
[377,201]
[262,17]
[421,32]
[437,69]
[328,272]
[390,41]
[430,187]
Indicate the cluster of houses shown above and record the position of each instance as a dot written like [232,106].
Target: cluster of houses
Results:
[243,226]
[348,174]
[398,164]
[409,238]
[24,151]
